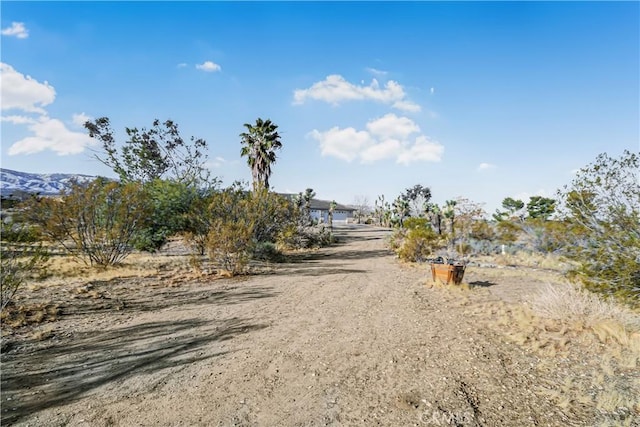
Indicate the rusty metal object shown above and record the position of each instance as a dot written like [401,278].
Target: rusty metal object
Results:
[447,273]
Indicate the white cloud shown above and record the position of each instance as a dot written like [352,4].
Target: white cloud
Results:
[51,134]
[388,137]
[485,166]
[432,90]
[182,65]
[217,162]
[376,72]
[423,150]
[392,126]
[334,89]
[407,106]
[345,144]
[17,120]
[23,92]
[80,119]
[386,149]
[208,66]
[17,29]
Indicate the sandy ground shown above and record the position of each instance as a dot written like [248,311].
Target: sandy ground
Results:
[343,336]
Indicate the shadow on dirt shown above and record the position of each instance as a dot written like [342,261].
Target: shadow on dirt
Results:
[310,257]
[335,259]
[63,371]
[323,263]
[355,232]
[149,295]
[481,284]
[317,271]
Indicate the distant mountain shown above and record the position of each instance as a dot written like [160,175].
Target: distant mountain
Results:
[14,182]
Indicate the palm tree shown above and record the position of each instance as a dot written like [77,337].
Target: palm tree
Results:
[259,145]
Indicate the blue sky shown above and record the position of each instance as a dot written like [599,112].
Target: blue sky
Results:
[475,100]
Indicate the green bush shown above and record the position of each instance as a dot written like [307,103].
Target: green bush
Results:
[419,244]
[304,237]
[602,217]
[270,214]
[96,222]
[417,223]
[169,203]
[230,244]
[17,263]
[18,232]
[267,251]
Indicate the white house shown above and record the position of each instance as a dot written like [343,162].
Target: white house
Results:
[319,211]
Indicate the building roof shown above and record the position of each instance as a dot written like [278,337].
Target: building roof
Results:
[325,204]
[318,204]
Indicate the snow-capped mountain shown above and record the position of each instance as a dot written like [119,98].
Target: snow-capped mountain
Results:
[44,184]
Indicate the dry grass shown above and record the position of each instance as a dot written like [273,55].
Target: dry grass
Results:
[593,345]
[16,316]
[588,347]
[136,265]
[42,334]
[574,305]
[527,259]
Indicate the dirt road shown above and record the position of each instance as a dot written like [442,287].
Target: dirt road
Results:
[344,336]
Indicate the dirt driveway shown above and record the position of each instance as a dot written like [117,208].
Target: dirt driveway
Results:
[343,336]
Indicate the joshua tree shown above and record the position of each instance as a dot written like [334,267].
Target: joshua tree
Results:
[450,213]
[436,216]
[260,143]
[401,209]
[418,197]
[332,207]
[307,196]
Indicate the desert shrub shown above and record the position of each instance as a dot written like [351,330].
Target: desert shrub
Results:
[412,223]
[197,221]
[15,230]
[570,303]
[232,225]
[289,238]
[17,263]
[395,239]
[169,203]
[545,236]
[318,237]
[304,237]
[482,231]
[95,222]
[230,239]
[419,241]
[465,248]
[270,213]
[508,231]
[602,214]
[230,244]
[267,251]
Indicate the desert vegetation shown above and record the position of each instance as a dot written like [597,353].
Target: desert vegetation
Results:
[592,227]
[164,192]
[165,232]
